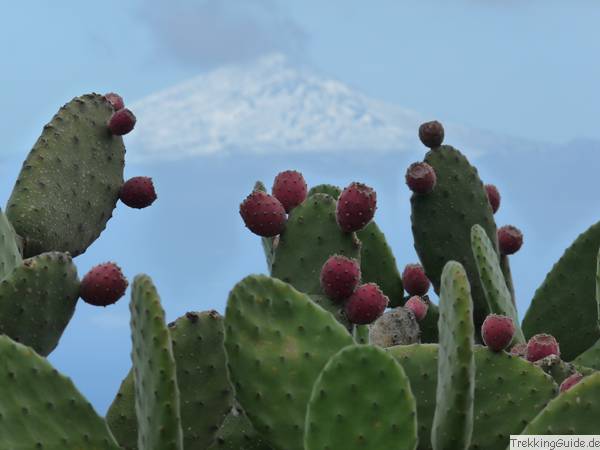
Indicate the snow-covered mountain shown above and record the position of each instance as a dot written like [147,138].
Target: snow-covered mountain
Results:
[272,106]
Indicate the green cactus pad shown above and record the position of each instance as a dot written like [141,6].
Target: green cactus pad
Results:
[494,286]
[505,266]
[378,264]
[328,189]
[37,300]
[337,309]
[429,325]
[206,396]
[237,433]
[69,183]
[277,342]
[442,221]
[509,392]
[155,381]
[349,409]
[310,237]
[590,358]
[569,293]
[42,409]
[576,411]
[10,257]
[453,418]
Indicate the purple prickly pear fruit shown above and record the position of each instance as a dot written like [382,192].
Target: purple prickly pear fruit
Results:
[138,192]
[569,382]
[115,100]
[290,189]
[414,280]
[103,285]
[417,306]
[510,239]
[339,277]
[540,346]
[431,134]
[121,122]
[420,178]
[263,214]
[493,196]
[519,349]
[497,331]
[366,304]
[356,207]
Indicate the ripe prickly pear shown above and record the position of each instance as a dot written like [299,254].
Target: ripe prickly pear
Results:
[103,285]
[121,122]
[420,178]
[569,382]
[366,304]
[540,346]
[519,349]
[431,134]
[414,280]
[263,214]
[510,239]
[290,189]
[417,306]
[356,207]
[138,192]
[339,277]
[493,196]
[497,331]
[115,100]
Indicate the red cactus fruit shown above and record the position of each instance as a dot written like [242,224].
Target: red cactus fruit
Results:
[339,277]
[115,100]
[569,382]
[366,304]
[263,214]
[497,331]
[421,178]
[493,196]
[356,207]
[138,192]
[414,279]
[103,285]
[121,122]
[417,306]
[510,239]
[431,134]
[290,189]
[540,346]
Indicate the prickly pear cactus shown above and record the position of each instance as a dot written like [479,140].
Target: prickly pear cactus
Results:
[69,183]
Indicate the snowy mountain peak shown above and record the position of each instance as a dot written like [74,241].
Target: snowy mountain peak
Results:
[267,106]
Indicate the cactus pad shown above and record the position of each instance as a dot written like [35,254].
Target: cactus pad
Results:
[576,411]
[41,409]
[310,237]
[156,391]
[237,433]
[442,221]
[10,257]
[378,264]
[569,293]
[206,395]
[69,183]
[277,341]
[38,299]
[497,293]
[347,410]
[453,418]
[501,382]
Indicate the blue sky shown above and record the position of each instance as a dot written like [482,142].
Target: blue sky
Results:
[517,70]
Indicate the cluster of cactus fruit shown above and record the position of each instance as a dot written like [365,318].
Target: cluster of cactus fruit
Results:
[334,349]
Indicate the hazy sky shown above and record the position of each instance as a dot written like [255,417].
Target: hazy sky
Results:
[521,69]
[524,68]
